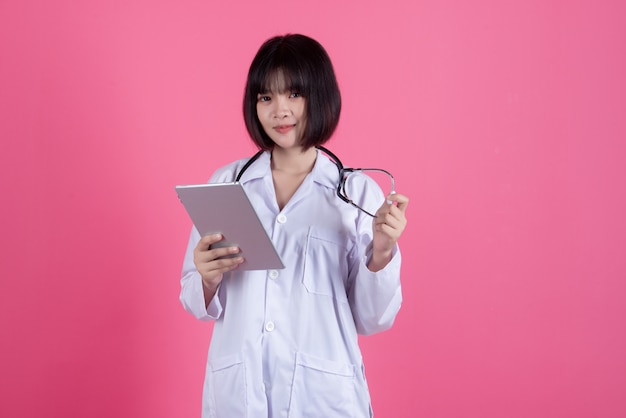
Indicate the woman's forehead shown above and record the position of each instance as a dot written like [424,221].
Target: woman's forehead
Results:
[278,81]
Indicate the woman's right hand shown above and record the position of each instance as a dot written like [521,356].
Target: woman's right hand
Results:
[209,264]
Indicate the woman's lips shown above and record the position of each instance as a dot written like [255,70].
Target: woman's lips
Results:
[283,129]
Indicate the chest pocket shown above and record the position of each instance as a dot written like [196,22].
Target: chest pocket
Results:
[326,264]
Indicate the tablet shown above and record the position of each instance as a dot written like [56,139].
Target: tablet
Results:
[225,208]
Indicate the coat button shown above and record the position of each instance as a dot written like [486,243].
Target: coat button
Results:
[273,274]
[281,219]
[269,326]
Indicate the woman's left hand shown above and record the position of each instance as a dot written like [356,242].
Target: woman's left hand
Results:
[388,225]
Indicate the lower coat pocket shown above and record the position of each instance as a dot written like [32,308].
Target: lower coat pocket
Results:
[227,381]
[322,388]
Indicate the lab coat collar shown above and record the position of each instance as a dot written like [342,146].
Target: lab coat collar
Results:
[259,169]
[324,171]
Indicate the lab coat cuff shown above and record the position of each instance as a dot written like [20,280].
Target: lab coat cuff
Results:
[214,309]
[199,306]
[393,266]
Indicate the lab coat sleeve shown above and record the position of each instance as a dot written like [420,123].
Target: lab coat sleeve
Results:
[375,297]
[191,293]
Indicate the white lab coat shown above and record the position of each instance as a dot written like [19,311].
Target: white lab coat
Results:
[284,342]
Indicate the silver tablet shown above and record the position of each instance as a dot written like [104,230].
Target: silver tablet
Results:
[225,208]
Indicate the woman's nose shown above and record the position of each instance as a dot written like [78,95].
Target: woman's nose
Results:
[282,108]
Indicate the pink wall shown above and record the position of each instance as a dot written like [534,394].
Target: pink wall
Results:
[503,121]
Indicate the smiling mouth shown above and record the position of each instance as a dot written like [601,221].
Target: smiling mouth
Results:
[283,129]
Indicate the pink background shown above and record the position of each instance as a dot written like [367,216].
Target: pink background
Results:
[502,120]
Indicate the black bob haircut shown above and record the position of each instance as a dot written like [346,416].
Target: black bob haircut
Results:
[299,64]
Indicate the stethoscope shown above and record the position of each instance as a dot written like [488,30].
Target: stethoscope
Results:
[343,175]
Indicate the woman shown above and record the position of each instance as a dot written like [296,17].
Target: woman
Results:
[285,341]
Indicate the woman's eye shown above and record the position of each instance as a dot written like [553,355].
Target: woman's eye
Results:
[263,98]
[295,94]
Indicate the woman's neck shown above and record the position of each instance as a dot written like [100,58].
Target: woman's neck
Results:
[293,161]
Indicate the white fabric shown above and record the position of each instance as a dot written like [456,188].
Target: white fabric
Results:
[284,342]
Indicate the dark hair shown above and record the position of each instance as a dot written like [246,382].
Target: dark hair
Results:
[304,67]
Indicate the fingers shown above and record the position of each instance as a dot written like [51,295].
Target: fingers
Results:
[391,217]
[211,263]
[208,240]
[391,221]
[390,225]
[393,213]
[401,201]
[204,253]
[214,268]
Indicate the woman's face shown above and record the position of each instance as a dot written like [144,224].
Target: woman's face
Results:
[282,114]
